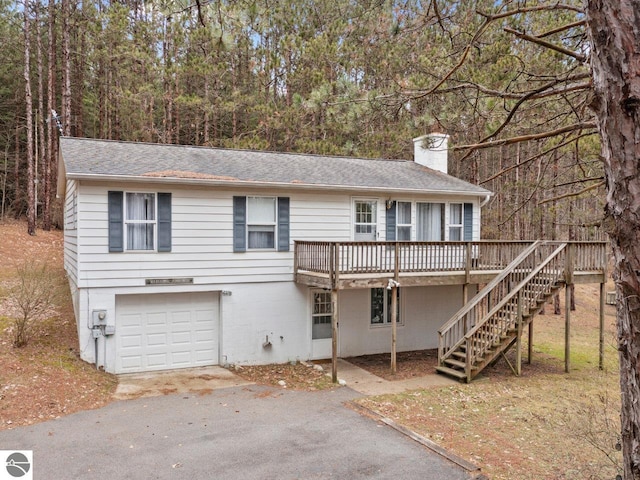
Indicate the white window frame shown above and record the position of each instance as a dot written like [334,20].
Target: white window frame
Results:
[386,307]
[127,221]
[321,315]
[273,224]
[374,219]
[455,226]
[404,225]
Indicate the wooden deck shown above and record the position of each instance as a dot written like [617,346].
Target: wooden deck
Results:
[347,265]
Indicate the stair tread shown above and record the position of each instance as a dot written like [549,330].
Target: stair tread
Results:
[456,363]
[451,372]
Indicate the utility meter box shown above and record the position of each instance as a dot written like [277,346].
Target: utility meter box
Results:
[98,318]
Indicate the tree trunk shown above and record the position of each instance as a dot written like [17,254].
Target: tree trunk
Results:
[51,124]
[40,116]
[615,64]
[66,69]
[31,211]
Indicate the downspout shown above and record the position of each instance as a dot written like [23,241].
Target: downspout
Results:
[486,200]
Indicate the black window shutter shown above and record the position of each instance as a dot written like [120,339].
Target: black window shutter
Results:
[116,221]
[468,222]
[391,222]
[283,224]
[239,224]
[164,222]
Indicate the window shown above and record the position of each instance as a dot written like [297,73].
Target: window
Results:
[321,315]
[260,223]
[430,222]
[139,221]
[403,224]
[365,220]
[455,222]
[381,306]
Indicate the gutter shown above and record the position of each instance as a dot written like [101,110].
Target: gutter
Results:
[248,183]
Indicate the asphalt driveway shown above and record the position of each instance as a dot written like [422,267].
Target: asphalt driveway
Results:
[247,432]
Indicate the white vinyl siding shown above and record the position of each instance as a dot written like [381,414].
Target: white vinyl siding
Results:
[202,237]
[71,231]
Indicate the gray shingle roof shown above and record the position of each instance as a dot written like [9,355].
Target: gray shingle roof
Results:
[88,158]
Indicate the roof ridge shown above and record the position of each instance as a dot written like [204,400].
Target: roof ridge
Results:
[204,147]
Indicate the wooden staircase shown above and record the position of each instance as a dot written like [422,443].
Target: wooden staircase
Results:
[493,321]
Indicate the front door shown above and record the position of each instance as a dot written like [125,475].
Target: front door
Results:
[365,220]
[321,313]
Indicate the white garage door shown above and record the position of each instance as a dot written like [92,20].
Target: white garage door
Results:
[166,331]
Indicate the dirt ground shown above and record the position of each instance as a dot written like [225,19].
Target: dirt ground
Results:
[45,379]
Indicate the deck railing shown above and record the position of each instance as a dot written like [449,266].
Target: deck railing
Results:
[382,257]
[344,258]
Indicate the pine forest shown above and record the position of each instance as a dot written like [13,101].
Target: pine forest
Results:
[508,81]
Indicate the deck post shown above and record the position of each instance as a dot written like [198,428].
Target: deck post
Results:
[601,346]
[334,336]
[394,327]
[394,308]
[530,346]
[567,328]
[519,334]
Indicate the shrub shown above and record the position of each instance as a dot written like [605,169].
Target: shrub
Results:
[32,297]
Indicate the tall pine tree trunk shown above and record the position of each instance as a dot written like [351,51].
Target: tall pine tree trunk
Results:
[40,116]
[615,65]
[49,178]
[66,69]
[31,210]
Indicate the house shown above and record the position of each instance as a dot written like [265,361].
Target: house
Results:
[182,256]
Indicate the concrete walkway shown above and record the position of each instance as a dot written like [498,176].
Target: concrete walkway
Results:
[367,383]
[204,380]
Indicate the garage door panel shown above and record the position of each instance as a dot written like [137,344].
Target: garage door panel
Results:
[157,340]
[181,338]
[165,331]
[181,358]
[205,335]
[204,356]
[156,360]
[156,319]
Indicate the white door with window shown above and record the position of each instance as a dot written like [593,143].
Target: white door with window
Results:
[321,312]
[365,220]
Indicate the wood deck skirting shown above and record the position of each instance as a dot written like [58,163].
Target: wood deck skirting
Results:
[349,265]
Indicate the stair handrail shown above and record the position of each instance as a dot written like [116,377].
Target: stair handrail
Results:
[517,289]
[472,351]
[460,314]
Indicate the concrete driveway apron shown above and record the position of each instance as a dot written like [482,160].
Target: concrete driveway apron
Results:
[246,432]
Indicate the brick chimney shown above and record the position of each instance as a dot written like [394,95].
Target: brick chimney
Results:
[431,151]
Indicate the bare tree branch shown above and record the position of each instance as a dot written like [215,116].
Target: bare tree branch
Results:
[580,180]
[573,194]
[544,43]
[536,156]
[563,28]
[526,138]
